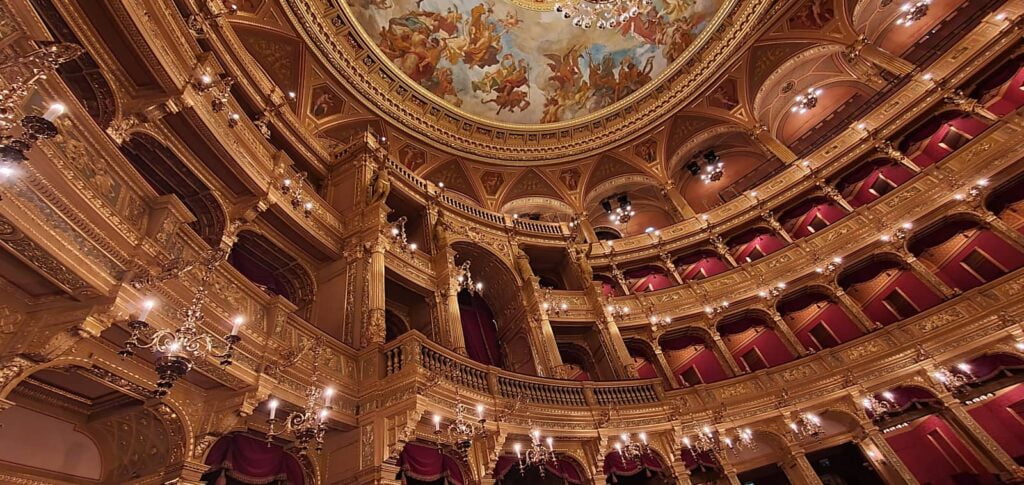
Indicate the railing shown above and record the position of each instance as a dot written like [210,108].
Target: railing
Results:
[552,228]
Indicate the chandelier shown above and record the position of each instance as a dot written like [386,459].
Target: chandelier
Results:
[807,101]
[464,279]
[713,310]
[603,14]
[220,87]
[899,234]
[955,382]
[310,424]
[551,306]
[398,235]
[913,11]
[744,441]
[539,454]
[807,425]
[293,188]
[879,407]
[177,350]
[714,167]
[973,192]
[630,450]
[706,442]
[460,432]
[773,292]
[615,310]
[23,75]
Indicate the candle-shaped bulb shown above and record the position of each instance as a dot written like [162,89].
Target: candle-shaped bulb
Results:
[412,246]
[480,411]
[618,447]
[323,415]
[643,438]
[55,110]
[518,448]
[624,437]
[174,346]
[437,422]
[328,393]
[147,306]
[551,442]
[686,441]
[273,407]
[236,324]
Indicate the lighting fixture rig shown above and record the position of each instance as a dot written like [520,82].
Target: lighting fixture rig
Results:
[460,433]
[807,425]
[744,441]
[552,306]
[879,407]
[806,101]
[398,235]
[179,349]
[632,451]
[955,381]
[464,279]
[913,11]
[621,212]
[709,168]
[706,442]
[310,424]
[292,188]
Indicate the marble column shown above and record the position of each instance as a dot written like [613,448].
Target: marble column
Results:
[892,467]
[797,469]
[666,369]
[450,317]
[787,335]
[987,449]
[928,277]
[772,144]
[853,309]
[724,354]
[617,352]
[376,330]
[677,200]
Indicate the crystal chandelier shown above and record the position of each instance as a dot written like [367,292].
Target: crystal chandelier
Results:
[293,188]
[603,14]
[744,441]
[630,450]
[461,431]
[807,425]
[464,279]
[807,101]
[177,350]
[913,11]
[310,424]
[552,306]
[622,212]
[714,167]
[539,454]
[706,442]
[398,236]
[23,74]
[955,382]
[879,407]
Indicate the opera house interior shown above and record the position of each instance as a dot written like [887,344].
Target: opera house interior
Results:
[483,242]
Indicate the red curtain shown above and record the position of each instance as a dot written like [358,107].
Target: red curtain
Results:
[562,468]
[427,464]
[249,460]
[480,332]
[615,466]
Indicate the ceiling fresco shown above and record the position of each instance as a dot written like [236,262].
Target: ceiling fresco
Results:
[509,63]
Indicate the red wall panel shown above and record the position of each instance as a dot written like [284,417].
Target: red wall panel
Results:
[934,453]
[705,360]
[1004,424]
[841,325]
[711,265]
[652,282]
[1005,255]
[767,342]
[897,174]
[931,152]
[829,211]
[768,243]
[916,291]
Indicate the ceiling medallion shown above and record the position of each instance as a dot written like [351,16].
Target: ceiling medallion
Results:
[495,81]
[913,11]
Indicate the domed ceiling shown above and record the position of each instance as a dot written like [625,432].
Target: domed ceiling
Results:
[521,62]
[514,81]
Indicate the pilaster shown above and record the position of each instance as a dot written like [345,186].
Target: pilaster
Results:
[976,437]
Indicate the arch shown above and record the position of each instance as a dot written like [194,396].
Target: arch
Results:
[871,179]
[272,268]
[1006,195]
[167,174]
[812,213]
[754,243]
[82,75]
[964,252]
[579,362]
[237,455]
[394,325]
[648,277]
[694,357]
[700,263]
[644,361]
[868,267]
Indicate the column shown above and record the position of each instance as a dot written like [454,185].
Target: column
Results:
[769,218]
[772,144]
[450,318]
[1001,228]
[728,469]
[798,470]
[666,369]
[993,455]
[587,228]
[725,355]
[879,57]
[677,200]
[616,348]
[853,309]
[722,249]
[375,293]
[886,148]
[892,468]
[929,278]
[787,335]
[671,267]
[834,194]
[551,361]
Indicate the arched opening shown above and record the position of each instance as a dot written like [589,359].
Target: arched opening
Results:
[238,459]
[940,135]
[693,358]
[871,180]
[886,289]
[272,269]
[578,363]
[811,215]
[754,244]
[816,319]
[700,264]
[168,174]
[964,254]
[647,278]
[752,341]
[561,471]
[81,75]
[423,464]
[1001,91]
[1007,202]
[394,325]
[649,469]
[644,361]
[480,330]
[73,426]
